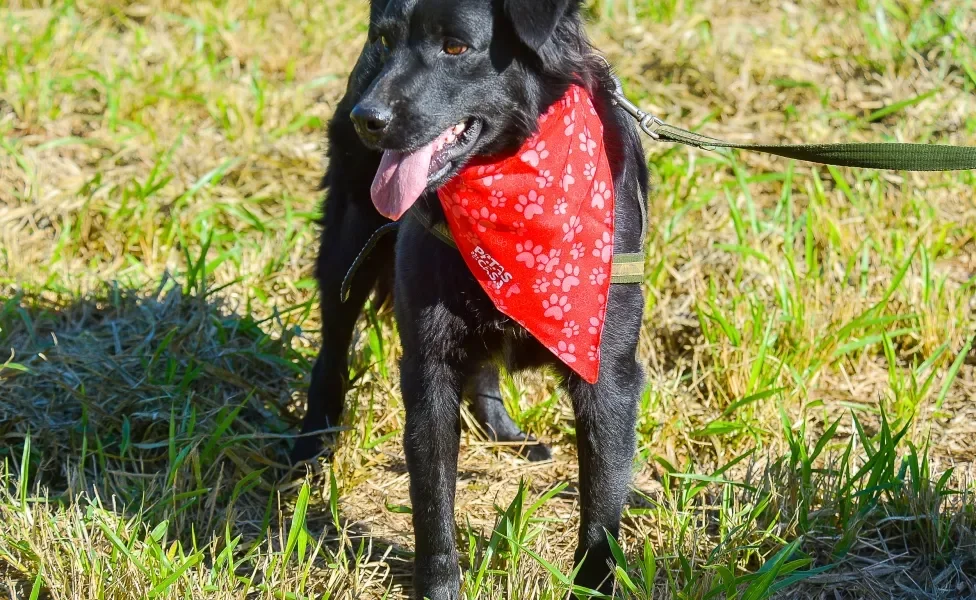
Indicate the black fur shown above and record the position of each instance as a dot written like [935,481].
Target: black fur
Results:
[523,55]
[349,221]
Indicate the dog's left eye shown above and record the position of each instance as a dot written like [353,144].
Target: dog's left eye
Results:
[454,48]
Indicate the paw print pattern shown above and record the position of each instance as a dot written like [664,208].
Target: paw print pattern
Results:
[568,179]
[603,248]
[489,175]
[536,229]
[573,228]
[567,277]
[601,195]
[594,325]
[498,199]
[569,122]
[520,229]
[483,219]
[556,306]
[459,207]
[544,179]
[528,253]
[549,262]
[536,153]
[530,205]
[593,354]
[566,352]
[587,143]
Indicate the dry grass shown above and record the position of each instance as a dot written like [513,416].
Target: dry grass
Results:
[158,172]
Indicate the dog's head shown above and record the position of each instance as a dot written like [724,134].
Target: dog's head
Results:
[459,79]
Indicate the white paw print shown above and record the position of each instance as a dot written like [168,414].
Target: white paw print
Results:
[594,326]
[570,123]
[497,199]
[594,354]
[608,220]
[570,329]
[560,206]
[541,285]
[545,179]
[459,208]
[601,195]
[568,178]
[572,229]
[556,306]
[577,251]
[589,171]
[587,144]
[483,219]
[530,205]
[487,175]
[550,262]
[598,276]
[566,352]
[520,228]
[536,153]
[567,277]
[528,253]
[604,248]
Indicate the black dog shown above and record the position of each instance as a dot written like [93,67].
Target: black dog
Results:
[494,66]
[349,221]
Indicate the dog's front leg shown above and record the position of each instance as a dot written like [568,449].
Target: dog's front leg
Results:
[606,414]
[431,384]
[347,228]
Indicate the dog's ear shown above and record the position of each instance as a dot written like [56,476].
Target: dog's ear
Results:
[536,20]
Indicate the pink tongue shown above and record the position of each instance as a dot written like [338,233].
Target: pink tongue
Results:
[400,181]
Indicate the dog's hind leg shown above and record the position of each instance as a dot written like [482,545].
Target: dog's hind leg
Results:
[606,414]
[347,228]
[497,424]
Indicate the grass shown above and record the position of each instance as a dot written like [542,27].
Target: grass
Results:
[807,427]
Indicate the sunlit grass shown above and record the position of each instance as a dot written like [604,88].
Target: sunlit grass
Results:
[806,429]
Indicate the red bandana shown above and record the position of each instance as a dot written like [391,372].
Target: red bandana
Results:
[536,230]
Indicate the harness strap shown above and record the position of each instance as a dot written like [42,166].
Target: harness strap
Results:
[627,267]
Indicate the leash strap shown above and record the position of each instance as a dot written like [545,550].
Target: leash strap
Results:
[629,267]
[890,156]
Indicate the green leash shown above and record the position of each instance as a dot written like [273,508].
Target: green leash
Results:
[894,156]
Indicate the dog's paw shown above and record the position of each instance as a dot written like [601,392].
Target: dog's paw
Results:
[437,577]
[534,450]
[308,448]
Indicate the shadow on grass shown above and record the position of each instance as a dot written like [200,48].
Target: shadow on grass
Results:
[174,414]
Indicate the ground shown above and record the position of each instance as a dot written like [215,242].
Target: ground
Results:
[808,428]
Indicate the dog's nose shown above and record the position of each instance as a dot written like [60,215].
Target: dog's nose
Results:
[371,120]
